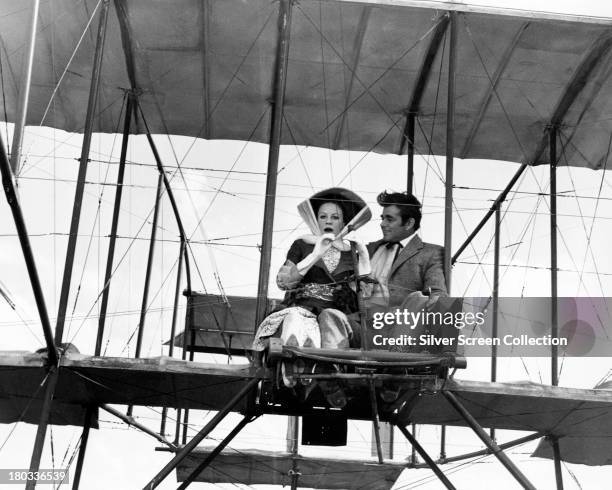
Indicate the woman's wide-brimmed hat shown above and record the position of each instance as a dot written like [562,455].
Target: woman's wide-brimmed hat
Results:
[355,211]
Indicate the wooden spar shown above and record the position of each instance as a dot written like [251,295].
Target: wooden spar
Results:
[450,148]
[293,430]
[357,45]
[499,453]
[557,460]
[430,462]
[24,240]
[578,81]
[177,295]
[494,330]
[410,138]
[80,185]
[480,9]
[76,481]
[25,93]
[417,94]
[553,256]
[486,100]
[41,431]
[280,82]
[168,188]
[204,464]
[448,181]
[375,421]
[485,452]
[130,421]
[145,294]
[554,313]
[114,224]
[422,79]
[502,197]
[199,437]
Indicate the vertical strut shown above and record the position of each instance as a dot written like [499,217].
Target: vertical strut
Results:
[494,332]
[375,421]
[25,93]
[145,293]
[450,138]
[114,224]
[80,186]
[293,429]
[553,255]
[177,294]
[448,184]
[410,137]
[280,81]
[24,240]
[41,432]
[554,354]
[82,448]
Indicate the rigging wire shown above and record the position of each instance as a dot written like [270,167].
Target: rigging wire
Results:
[354,74]
[74,51]
[227,86]
[324,86]
[95,221]
[25,410]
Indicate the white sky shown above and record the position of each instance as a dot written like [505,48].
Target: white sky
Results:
[119,457]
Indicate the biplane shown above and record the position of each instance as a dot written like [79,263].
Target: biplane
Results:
[387,77]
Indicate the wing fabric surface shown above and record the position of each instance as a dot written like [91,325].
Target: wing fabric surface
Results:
[351,73]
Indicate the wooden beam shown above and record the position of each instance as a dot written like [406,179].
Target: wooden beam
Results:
[578,81]
[422,79]
[478,9]
[280,81]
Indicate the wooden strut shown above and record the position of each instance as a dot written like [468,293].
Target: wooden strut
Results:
[214,453]
[280,82]
[199,437]
[148,271]
[430,462]
[83,162]
[375,421]
[25,93]
[129,109]
[485,452]
[494,330]
[70,251]
[177,294]
[448,180]
[484,437]
[554,353]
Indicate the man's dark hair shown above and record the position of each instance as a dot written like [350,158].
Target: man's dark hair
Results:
[409,206]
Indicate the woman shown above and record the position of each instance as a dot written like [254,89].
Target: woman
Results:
[317,275]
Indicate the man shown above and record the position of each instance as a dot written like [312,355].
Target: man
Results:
[401,262]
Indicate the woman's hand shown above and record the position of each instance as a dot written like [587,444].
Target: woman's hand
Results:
[322,245]
[288,276]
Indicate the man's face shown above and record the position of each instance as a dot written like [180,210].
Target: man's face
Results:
[391,224]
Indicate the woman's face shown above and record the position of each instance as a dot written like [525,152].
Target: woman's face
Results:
[330,218]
